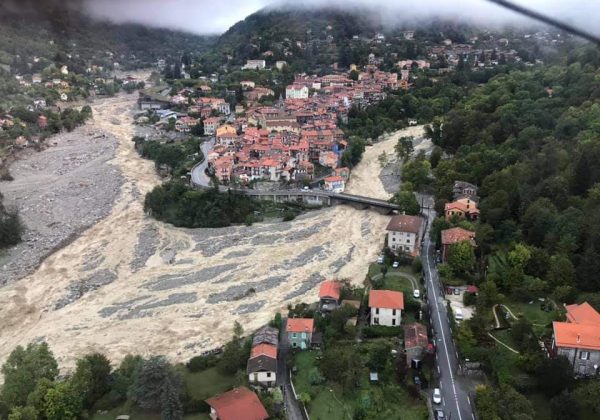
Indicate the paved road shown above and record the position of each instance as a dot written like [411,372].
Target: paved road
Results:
[455,401]
[292,407]
[198,172]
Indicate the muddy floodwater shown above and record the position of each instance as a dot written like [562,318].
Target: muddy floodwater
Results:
[129,284]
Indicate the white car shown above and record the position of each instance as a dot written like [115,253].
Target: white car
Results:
[437,396]
[396,264]
[380,259]
[416,293]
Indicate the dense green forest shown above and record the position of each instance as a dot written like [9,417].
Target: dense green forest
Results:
[180,205]
[531,140]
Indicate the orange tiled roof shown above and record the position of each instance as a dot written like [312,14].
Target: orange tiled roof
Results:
[264,349]
[331,289]
[583,314]
[387,299]
[457,234]
[238,404]
[580,336]
[300,325]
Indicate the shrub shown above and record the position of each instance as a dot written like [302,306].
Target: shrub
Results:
[288,216]
[373,331]
[417,265]
[469,299]
[199,363]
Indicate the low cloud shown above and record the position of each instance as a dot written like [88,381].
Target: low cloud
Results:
[214,17]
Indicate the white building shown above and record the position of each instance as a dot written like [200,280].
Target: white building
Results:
[404,234]
[255,65]
[386,307]
[262,365]
[296,92]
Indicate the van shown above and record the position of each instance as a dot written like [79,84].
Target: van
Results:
[458,315]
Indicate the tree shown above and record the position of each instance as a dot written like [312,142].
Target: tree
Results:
[234,353]
[384,270]
[383,159]
[92,378]
[404,148]
[379,356]
[23,413]
[23,369]
[485,401]
[436,156]
[171,407]
[417,172]
[554,376]
[63,402]
[565,407]
[407,201]
[587,396]
[561,272]
[150,381]
[461,257]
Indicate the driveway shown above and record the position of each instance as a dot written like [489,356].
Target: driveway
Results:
[455,400]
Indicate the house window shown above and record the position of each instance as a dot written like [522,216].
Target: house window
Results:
[393,239]
[376,311]
[584,355]
[376,321]
[294,335]
[268,374]
[393,322]
[394,312]
[408,241]
[294,344]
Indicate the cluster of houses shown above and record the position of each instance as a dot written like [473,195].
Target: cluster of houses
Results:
[284,142]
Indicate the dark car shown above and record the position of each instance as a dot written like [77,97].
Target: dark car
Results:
[438,415]
[417,380]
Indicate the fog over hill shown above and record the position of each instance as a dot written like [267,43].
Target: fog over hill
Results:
[203,17]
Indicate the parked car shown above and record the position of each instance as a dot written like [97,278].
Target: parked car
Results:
[458,315]
[306,188]
[438,415]
[417,380]
[437,396]
[417,294]
[396,264]
[456,291]
[380,259]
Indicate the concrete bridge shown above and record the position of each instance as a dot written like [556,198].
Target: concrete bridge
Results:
[198,179]
[321,198]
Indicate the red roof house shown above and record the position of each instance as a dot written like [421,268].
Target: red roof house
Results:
[578,339]
[237,404]
[388,299]
[386,307]
[453,236]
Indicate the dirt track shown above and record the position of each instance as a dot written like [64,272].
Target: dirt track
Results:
[132,285]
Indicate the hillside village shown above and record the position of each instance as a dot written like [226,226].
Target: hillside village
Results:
[440,308]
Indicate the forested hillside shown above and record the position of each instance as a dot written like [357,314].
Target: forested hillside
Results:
[532,141]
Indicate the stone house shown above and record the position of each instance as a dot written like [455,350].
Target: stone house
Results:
[578,339]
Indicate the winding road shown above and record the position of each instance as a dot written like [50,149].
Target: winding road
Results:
[455,399]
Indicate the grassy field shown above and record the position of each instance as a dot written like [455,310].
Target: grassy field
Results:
[539,318]
[205,384]
[201,385]
[390,401]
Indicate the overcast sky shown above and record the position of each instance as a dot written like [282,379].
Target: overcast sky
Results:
[216,16]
